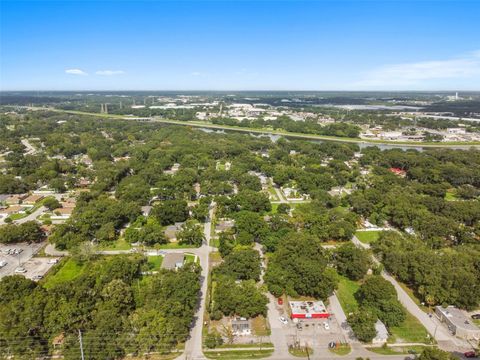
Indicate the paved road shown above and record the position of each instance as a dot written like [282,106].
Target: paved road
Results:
[277,335]
[280,196]
[33,216]
[193,346]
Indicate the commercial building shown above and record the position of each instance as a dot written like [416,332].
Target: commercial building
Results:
[458,323]
[308,310]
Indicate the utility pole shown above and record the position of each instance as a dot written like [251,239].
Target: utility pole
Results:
[81,343]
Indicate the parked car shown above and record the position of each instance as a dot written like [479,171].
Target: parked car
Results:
[280,301]
[20,270]
[470,354]
[283,320]
[326,325]
[476,316]
[37,277]
[53,261]
[3,263]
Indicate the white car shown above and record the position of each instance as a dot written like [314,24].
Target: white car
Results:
[3,263]
[283,320]
[326,326]
[37,277]
[53,261]
[20,270]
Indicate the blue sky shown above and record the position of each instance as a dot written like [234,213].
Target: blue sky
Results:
[240,45]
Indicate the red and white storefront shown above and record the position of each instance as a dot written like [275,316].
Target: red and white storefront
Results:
[308,310]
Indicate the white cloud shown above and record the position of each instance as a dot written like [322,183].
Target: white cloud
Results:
[75,72]
[110,72]
[392,76]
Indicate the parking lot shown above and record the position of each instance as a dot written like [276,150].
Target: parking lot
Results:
[314,332]
[34,266]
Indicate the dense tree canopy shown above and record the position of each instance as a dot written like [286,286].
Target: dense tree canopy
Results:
[299,267]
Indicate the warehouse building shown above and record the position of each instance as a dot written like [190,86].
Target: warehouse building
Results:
[458,323]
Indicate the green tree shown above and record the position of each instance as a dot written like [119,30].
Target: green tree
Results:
[352,261]
[170,211]
[191,234]
[362,323]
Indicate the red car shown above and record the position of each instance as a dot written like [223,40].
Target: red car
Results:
[280,301]
[470,354]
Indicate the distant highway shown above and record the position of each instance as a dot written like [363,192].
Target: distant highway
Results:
[200,124]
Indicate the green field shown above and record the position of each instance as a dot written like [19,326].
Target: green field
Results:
[119,244]
[174,245]
[154,262]
[411,331]
[450,196]
[345,291]
[189,258]
[342,350]
[301,352]
[385,350]
[367,237]
[238,354]
[68,271]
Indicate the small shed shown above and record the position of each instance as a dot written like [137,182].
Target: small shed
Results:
[241,326]
[382,333]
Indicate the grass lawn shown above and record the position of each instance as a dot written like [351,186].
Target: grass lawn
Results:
[383,350]
[300,352]
[342,350]
[345,291]
[119,244]
[259,326]
[215,241]
[69,271]
[154,262]
[170,356]
[175,245]
[273,194]
[274,208]
[254,345]
[450,195]
[238,354]
[367,237]
[411,331]
[189,258]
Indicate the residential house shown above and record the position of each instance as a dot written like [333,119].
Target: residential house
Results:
[173,261]
[171,231]
[32,199]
